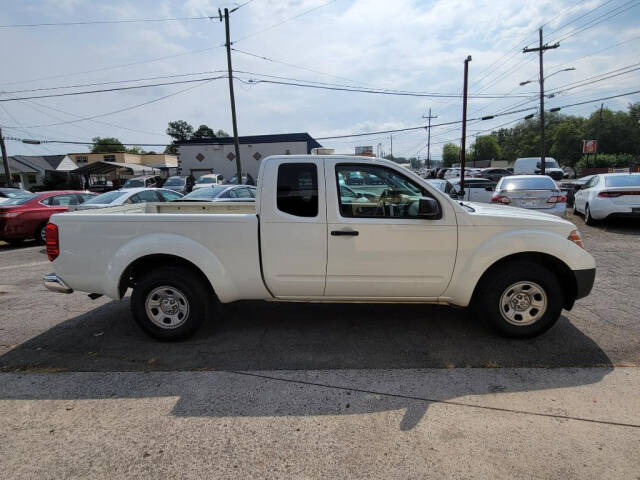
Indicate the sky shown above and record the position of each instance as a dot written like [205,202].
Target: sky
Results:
[406,45]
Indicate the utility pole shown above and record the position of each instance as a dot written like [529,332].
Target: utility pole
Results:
[595,156]
[464,123]
[541,48]
[392,146]
[475,150]
[429,117]
[5,162]
[236,142]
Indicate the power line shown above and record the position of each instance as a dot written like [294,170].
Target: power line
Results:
[107,22]
[252,81]
[116,89]
[102,69]
[80,119]
[284,21]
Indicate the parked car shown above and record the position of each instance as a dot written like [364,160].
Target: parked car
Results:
[609,195]
[475,189]
[570,187]
[221,193]
[24,217]
[495,174]
[302,242]
[147,181]
[247,179]
[208,180]
[534,192]
[533,166]
[101,186]
[455,172]
[7,193]
[177,184]
[128,195]
[444,186]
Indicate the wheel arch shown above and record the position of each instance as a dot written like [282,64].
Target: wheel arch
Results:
[559,268]
[136,269]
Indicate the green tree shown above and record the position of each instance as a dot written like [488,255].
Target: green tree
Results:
[450,154]
[203,131]
[222,133]
[567,139]
[107,145]
[179,130]
[486,147]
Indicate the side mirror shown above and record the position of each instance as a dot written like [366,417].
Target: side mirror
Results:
[489,189]
[429,209]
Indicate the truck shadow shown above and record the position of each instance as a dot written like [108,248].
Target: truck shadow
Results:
[342,340]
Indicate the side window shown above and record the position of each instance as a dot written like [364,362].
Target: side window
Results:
[382,193]
[147,196]
[61,200]
[83,197]
[243,193]
[298,189]
[590,183]
[169,196]
[134,199]
[252,192]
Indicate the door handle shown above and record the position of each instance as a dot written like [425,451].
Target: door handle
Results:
[344,233]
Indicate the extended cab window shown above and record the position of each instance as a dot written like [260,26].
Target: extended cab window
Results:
[298,189]
[381,192]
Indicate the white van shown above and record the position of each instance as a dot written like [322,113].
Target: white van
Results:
[532,166]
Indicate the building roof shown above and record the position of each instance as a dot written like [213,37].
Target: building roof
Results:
[280,137]
[17,167]
[40,162]
[102,167]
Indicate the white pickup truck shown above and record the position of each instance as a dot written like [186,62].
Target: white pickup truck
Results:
[308,237]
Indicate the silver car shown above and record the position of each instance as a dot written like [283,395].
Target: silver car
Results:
[534,192]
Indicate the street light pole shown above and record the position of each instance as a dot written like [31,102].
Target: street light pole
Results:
[5,162]
[541,48]
[464,123]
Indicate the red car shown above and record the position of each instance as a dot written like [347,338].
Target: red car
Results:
[26,216]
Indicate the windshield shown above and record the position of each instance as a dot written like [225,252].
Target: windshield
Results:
[174,181]
[133,182]
[623,181]
[204,193]
[19,200]
[105,198]
[526,183]
[14,193]
[548,163]
[207,180]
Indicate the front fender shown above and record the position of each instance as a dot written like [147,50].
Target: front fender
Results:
[475,259]
[167,244]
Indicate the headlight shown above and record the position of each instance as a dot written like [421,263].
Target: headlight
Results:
[575,237]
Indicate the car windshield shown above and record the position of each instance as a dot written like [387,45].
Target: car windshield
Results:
[548,163]
[206,180]
[623,181]
[204,193]
[439,184]
[105,198]
[133,182]
[14,193]
[174,181]
[527,183]
[19,200]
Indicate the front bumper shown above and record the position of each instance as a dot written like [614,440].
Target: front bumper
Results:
[55,284]
[584,281]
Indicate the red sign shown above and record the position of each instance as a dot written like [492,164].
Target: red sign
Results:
[589,146]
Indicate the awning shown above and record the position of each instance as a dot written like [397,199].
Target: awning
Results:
[103,167]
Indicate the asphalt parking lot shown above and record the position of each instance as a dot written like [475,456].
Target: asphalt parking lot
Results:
[337,373]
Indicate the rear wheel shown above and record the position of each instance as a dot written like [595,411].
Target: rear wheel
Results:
[41,235]
[519,299]
[588,219]
[170,303]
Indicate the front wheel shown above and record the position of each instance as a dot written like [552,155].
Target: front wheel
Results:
[519,299]
[170,303]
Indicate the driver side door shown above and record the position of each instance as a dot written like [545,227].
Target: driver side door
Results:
[377,244]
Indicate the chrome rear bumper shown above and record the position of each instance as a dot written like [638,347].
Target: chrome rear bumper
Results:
[55,284]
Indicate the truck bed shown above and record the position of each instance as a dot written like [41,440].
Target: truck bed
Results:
[175,207]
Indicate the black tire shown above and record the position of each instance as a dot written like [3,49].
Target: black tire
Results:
[186,287]
[39,235]
[499,281]
[588,219]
